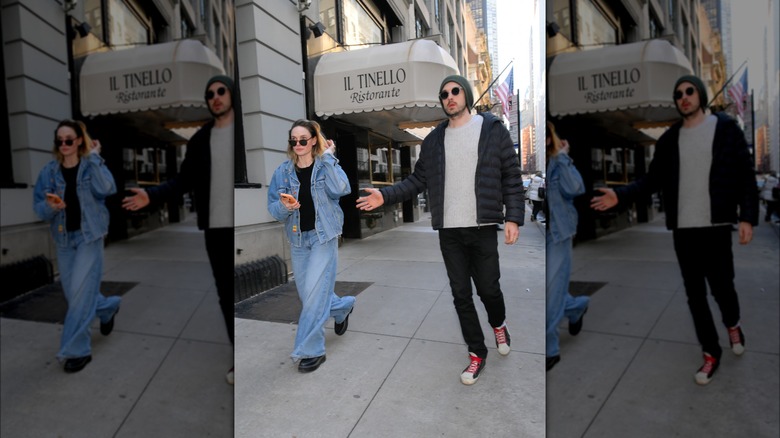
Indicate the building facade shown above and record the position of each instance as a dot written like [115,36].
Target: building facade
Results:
[355,66]
[611,66]
[133,70]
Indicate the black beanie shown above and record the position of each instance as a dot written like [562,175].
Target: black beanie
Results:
[699,87]
[224,80]
[464,83]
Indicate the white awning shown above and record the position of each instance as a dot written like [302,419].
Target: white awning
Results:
[385,88]
[168,79]
[636,79]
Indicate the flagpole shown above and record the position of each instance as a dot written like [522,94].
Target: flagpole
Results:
[727,83]
[492,83]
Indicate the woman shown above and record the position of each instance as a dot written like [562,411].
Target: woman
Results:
[533,194]
[563,184]
[304,194]
[70,194]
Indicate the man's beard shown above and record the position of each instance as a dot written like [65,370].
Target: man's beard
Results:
[692,111]
[217,115]
[455,112]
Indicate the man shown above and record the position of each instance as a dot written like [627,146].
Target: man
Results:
[207,171]
[703,168]
[470,168]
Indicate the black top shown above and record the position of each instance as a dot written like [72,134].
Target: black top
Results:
[72,205]
[304,197]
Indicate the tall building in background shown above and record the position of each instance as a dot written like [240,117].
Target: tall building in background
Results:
[725,32]
[484,12]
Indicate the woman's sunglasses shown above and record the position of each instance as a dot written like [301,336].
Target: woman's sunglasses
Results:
[302,142]
[210,94]
[444,95]
[68,142]
[679,94]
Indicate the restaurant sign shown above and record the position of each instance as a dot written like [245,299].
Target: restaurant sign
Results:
[610,86]
[157,77]
[386,86]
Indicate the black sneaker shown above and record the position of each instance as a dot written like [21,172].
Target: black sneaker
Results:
[76,364]
[737,340]
[704,375]
[552,360]
[576,327]
[341,327]
[471,373]
[310,364]
[107,328]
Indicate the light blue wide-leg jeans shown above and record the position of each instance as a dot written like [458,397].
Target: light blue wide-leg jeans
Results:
[559,302]
[314,267]
[81,269]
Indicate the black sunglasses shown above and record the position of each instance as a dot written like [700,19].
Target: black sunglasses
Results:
[679,94]
[302,142]
[455,91]
[68,142]
[210,94]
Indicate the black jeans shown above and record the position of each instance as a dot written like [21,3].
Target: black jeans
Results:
[537,208]
[472,253]
[704,254]
[219,246]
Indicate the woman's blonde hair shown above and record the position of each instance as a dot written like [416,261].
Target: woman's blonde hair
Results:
[315,131]
[555,145]
[81,132]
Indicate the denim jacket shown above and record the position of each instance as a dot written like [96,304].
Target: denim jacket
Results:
[564,183]
[94,183]
[328,184]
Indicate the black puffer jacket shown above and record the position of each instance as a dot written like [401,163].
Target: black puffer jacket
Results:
[732,176]
[497,181]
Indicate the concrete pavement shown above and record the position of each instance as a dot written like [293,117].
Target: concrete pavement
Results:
[396,372]
[629,373]
[160,373]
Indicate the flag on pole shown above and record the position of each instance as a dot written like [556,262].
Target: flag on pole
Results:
[505,90]
[738,93]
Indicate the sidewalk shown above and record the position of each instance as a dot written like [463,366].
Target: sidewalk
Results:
[396,372]
[160,373]
[630,372]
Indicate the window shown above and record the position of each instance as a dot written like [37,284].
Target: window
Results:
[451,32]
[594,28]
[93,14]
[217,33]
[328,17]
[360,29]
[384,161]
[186,29]
[127,27]
[146,166]
[656,29]
[613,166]
[419,29]
[562,17]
